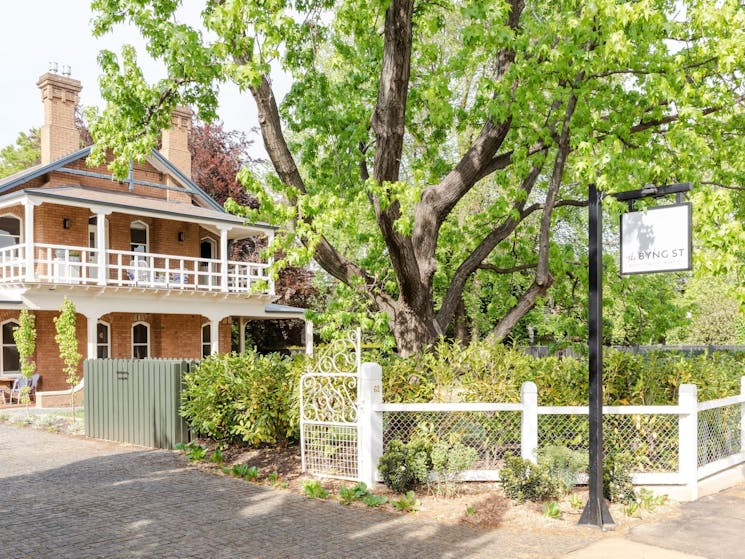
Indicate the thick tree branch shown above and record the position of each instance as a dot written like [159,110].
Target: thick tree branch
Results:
[437,201]
[472,262]
[543,278]
[284,164]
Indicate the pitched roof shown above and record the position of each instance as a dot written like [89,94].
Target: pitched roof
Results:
[128,201]
[216,213]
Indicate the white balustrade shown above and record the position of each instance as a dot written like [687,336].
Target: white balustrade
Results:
[61,264]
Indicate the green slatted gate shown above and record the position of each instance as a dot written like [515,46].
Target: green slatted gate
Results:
[135,401]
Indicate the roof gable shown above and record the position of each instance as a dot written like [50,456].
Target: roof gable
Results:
[156,159]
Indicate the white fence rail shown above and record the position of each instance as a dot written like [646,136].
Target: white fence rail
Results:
[63,264]
[671,445]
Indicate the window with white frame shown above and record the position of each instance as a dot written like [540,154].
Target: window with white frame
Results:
[10,231]
[11,362]
[103,340]
[206,340]
[140,340]
[138,233]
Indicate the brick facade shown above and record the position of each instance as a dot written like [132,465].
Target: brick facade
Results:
[171,336]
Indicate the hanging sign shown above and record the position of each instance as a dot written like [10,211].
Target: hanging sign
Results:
[656,240]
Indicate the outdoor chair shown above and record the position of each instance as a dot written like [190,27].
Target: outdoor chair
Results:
[20,383]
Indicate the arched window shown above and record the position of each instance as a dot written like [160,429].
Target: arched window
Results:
[206,340]
[103,340]
[11,363]
[138,237]
[10,231]
[140,340]
[207,248]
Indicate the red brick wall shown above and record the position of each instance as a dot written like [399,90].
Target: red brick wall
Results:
[48,362]
[171,336]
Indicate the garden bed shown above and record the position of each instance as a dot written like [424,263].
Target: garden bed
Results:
[480,504]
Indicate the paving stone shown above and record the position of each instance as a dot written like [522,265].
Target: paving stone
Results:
[79,498]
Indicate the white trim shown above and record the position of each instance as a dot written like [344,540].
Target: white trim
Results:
[21,237]
[437,407]
[212,242]
[3,345]
[721,402]
[203,343]
[108,338]
[720,465]
[132,330]
[147,234]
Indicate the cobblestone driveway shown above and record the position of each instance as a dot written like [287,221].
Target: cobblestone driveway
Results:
[66,497]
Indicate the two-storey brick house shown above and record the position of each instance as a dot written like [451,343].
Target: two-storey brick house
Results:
[144,260]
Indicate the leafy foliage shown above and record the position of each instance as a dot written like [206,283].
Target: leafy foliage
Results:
[488,372]
[404,466]
[25,153]
[523,480]
[314,490]
[407,503]
[357,492]
[460,140]
[563,464]
[25,339]
[67,340]
[617,484]
[249,397]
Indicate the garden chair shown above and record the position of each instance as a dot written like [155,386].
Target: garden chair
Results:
[20,383]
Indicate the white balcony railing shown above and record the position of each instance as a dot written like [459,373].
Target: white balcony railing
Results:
[60,264]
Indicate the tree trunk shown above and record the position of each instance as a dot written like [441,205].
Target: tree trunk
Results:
[412,334]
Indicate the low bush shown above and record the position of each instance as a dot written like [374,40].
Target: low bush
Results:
[563,464]
[404,466]
[250,398]
[617,485]
[523,480]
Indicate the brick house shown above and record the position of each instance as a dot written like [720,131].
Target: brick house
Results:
[144,260]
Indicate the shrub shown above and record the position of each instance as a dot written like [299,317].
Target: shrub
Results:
[451,457]
[563,464]
[524,481]
[617,485]
[248,397]
[404,466]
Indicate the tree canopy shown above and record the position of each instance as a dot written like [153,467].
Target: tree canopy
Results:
[431,155]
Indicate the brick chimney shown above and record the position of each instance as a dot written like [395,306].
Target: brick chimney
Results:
[60,96]
[175,148]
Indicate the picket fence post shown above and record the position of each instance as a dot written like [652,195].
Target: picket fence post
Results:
[369,422]
[688,438]
[529,424]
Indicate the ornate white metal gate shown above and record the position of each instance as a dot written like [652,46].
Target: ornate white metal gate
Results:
[328,410]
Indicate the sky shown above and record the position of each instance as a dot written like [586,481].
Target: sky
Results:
[34,33]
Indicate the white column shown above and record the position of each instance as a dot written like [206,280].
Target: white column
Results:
[242,335]
[91,326]
[28,233]
[309,338]
[224,259]
[269,240]
[102,246]
[688,438]
[214,336]
[370,422]
[529,427]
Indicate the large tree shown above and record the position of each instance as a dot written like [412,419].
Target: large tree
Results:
[423,143]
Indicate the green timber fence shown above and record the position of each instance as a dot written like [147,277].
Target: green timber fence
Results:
[135,401]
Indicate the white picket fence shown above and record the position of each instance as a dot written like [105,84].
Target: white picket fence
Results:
[675,445]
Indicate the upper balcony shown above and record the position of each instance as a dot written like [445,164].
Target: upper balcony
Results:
[66,265]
